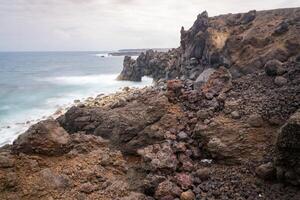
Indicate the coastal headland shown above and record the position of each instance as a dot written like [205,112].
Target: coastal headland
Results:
[222,121]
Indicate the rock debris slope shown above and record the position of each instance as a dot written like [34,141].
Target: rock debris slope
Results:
[221,122]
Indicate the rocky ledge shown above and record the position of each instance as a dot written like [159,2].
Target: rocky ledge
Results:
[221,122]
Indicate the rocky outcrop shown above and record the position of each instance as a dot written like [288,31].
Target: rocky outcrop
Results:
[132,126]
[243,43]
[130,70]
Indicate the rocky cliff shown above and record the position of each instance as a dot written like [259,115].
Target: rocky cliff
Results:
[243,43]
[222,122]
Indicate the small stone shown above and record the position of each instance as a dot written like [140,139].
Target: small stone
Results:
[235,115]
[182,136]
[266,171]
[221,97]
[203,173]
[203,114]
[207,121]
[187,166]
[179,147]
[209,96]
[188,195]
[255,120]
[76,101]
[126,89]
[280,81]
[87,188]
[81,105]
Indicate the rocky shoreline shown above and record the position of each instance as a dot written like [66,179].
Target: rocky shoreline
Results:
[221,122]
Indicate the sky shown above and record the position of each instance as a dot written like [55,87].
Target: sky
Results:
[96,25]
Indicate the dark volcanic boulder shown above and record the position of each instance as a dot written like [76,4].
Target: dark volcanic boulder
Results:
[274,68]
[130,127]
[46,137]
[287,159]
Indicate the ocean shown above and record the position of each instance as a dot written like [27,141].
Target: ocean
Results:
[33,85]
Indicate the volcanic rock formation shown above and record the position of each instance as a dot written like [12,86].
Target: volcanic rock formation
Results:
[221,122]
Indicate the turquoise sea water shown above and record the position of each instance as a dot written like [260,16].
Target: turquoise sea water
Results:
[36,84]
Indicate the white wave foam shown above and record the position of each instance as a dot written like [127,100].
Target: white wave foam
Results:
[81,80]
[97,84]
[102,55]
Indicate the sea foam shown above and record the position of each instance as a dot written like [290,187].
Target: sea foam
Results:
[86,86]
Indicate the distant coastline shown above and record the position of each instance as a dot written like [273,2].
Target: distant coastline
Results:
[135,52]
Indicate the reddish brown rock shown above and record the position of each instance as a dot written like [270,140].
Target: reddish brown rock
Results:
[174,88]
[184,180]
[167,189]
[46,137]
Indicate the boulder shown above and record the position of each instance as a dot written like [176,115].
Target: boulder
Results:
[203,77]
[46,137]
[174,88]
[274,68]
[218,149]
[266,171]
[218,82]
[282,28]
[184,180]
[167,189]
[287,158]
[248,17]
[129,127]
[203,173]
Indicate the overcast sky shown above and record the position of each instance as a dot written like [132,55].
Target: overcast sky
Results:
[41,25]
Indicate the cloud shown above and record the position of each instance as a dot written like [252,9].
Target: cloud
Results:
[108,24]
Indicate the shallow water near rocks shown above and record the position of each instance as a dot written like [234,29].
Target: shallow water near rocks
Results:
[33,85]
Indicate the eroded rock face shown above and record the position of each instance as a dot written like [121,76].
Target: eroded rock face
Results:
[287,158]
[232,41]
[46,137]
